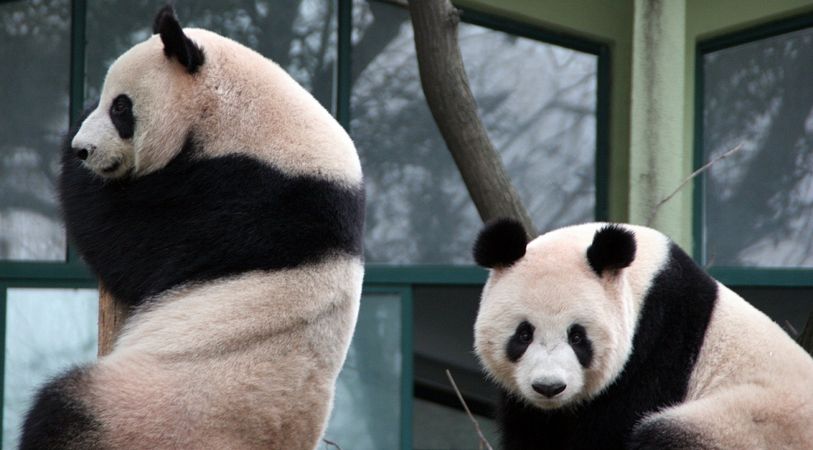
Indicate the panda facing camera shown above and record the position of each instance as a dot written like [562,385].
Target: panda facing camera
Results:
[608,336]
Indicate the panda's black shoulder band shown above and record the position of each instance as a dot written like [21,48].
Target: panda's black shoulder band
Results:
[613,248]
[204,218]
[500,243]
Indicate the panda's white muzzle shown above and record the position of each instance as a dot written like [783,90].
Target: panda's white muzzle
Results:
[100,147]
[549,376]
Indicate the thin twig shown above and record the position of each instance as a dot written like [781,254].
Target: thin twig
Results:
[806,338]
[330,443]
[483,440]
[791,329]
[401,3]
[690,178]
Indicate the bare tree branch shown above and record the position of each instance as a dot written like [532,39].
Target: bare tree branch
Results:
[806,338]
[447,91]
[483,440]
[401,3]
[686,181]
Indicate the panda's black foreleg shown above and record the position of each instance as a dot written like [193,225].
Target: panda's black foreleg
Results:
[665,434]
[58,419]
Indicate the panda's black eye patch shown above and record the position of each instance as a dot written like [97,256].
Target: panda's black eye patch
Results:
[519,342]
[577,338]
[121,114]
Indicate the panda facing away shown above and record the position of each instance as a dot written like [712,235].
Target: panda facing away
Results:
[224,206]
[609,336]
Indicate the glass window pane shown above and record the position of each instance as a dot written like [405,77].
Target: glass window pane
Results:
[538,104]
[300,36]
[443,339]
[444,324]
[35,52]
[367,406]
[438,426]
[759,202]
[47,331]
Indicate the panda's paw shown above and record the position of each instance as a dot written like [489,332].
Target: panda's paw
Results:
[664,434]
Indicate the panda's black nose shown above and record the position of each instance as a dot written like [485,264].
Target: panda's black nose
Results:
[81,153]
[549,390]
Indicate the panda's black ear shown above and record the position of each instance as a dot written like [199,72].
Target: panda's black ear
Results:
[500,243]
[176,43]
[613,248]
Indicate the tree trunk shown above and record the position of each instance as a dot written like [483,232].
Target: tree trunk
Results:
[112,315]
[446,87]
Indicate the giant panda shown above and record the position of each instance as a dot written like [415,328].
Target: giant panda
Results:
[608,336]
[215,198]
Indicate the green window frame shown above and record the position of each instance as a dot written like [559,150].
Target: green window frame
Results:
[737,276]
[380,278]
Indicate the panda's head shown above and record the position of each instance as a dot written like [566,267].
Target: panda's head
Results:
[191,85]
[146,105]
[557,315]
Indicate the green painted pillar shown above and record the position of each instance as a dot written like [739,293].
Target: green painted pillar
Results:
[658,159]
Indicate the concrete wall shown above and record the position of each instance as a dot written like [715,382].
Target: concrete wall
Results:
[657,160]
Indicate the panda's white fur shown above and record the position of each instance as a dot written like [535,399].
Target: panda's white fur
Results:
[227,212]
[203,376]
[733,378]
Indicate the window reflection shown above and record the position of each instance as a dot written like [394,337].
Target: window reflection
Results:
[438,426]
[35,53]
[47,331]
[299,35]
[759,202]
[366,409]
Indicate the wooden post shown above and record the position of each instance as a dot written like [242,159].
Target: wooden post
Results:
[112,315]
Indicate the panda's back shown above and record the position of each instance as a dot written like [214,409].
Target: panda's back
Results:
[750,386]
[269,355]
[743,345]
